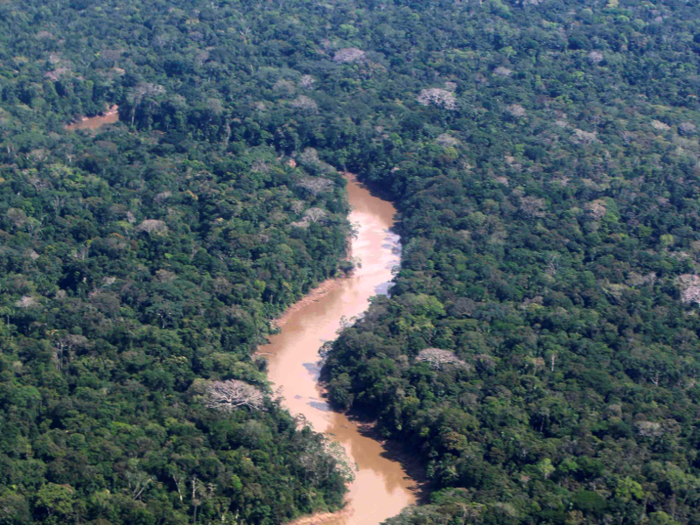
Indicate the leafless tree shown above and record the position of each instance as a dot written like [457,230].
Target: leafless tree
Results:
[690,288]
[349,55]
[215,106]
[595,57]
[26,301]
[195,502]
[297,205]
[160,197]
[437,97]
[39,155]
[316,185]
[596,209]
[315,214]
[584,137]
[447,140]
[687,128]
[260,165]
[233,394]
[342,462]
[11,148]
[533,206]
[285,87]
[307,82]
[552,264]
[304,104]
[310,157]
[649,429]
[516,110]
[37,183]
[152,226]
[321,459]
[437,357]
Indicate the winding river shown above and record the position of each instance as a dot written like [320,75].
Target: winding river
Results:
[381,488]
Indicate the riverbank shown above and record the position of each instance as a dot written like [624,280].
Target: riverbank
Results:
[328,518]
[382,486]
[314,295]
[111,116]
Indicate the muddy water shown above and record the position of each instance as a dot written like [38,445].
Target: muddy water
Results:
[381,488]
[110,117]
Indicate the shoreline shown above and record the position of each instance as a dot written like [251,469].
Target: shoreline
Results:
[312,296]
[385,481]
[322,517]
[111,111]
[317,292]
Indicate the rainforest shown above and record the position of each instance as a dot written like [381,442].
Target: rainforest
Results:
[537,354]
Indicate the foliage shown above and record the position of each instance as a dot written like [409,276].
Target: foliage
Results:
[543,156]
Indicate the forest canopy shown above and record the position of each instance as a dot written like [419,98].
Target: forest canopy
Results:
[539,351]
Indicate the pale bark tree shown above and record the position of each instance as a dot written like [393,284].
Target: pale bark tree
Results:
[26,301]
[316,185]
[81,252]
[437,358]
[516,110]
[65,348]
[138,93]
[349,55]
[179,480]
[437,97]
[233,394]
[533,207]
[687,128]
[304,104]
[690,288]
[58,202]
[315,214]
[138,482]
[152,226]
[307,82]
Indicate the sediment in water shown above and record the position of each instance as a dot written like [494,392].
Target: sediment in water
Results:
[382,487]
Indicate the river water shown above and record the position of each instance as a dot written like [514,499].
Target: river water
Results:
[381,488]
[110,117]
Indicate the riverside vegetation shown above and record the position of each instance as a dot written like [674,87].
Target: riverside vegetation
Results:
[540,348]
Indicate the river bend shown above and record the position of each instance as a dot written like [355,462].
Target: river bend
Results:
[382,487]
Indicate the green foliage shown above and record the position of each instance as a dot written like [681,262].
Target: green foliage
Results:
[543,156]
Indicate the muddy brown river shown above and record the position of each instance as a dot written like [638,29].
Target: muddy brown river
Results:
[382,487]
[110,117]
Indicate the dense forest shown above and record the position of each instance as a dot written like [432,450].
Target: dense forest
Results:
[540,348]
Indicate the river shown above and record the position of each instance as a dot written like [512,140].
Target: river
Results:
[110,117]
[382,487]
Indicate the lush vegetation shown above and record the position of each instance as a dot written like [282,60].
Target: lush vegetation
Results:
[551,239]
[137,268]
[543,156]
